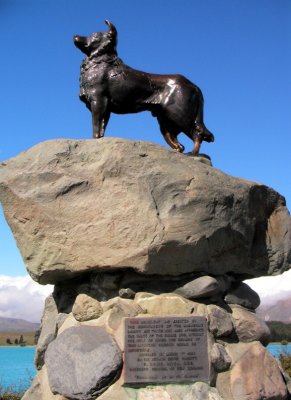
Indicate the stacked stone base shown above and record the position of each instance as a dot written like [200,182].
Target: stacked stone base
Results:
[80,349]
[175,237]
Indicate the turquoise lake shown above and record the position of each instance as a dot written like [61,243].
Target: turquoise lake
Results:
[17,368]
[277,349]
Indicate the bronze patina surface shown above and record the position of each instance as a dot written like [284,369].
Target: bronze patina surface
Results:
[108,85]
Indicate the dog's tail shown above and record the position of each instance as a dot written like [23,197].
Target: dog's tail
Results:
[200,127]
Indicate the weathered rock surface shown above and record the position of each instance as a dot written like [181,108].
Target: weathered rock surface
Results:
[249,327]
[205,286]
[130,229]
[286,377]
[166,304]
[240,367]
[243,295]
[86,308]
[115,312]
[220,359]
[126,293]
[254,375]
[48,330]
[40,388]
[220,323]
[76,206]
[81,362]
[69,322]
[197,391]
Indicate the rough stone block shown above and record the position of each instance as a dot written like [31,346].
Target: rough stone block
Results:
[40,389]
[69,322]
[80,205]
[166,304]
[249,327]
[220,323]
[196,391]
[86,308]
[220,359]
[48,330]
[243,295]
[204,286]
[254,375]
[82,362]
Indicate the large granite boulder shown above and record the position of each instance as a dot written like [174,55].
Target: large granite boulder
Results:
[77,206]
[82,362]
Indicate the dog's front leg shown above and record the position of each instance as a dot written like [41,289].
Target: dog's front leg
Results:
[100,116]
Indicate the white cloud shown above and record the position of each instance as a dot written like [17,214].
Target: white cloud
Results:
[21,297]
[271,287]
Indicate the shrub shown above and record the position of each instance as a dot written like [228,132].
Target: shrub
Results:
[10,394]
[279,331]
[286,362]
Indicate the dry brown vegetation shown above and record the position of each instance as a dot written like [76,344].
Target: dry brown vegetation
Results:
[286,362]
[28,338]
[10,396]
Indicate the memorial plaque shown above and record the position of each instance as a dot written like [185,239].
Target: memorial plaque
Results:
[166,349]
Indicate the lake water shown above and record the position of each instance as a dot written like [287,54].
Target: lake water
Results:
[276,349]
[17,368]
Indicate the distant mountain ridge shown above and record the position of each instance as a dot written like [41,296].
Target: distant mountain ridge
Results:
[17,325]
[277,310]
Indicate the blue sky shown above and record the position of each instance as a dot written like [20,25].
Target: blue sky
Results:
[236,51]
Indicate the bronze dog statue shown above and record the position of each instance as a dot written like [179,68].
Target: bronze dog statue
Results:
[108,85]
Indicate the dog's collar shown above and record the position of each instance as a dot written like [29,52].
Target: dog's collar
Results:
[93,60]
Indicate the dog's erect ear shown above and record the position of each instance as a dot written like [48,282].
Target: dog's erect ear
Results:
[112,29]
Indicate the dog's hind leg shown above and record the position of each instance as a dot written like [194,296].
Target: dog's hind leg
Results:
[197,139]
[100,117]
[199,132]
[171,139]
[173,142]
[197,144]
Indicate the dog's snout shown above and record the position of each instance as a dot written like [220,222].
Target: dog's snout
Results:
[81,42]
[80,39]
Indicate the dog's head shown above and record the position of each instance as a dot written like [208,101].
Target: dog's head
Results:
[98,42]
